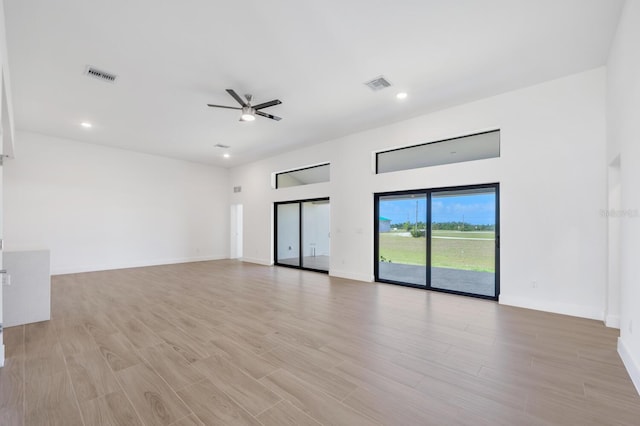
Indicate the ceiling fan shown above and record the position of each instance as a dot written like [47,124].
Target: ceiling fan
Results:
[249,111]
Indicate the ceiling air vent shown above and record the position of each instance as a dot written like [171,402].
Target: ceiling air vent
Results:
[378,83]
[100,75]
[219,145]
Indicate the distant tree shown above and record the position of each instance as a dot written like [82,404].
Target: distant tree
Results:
[461,226]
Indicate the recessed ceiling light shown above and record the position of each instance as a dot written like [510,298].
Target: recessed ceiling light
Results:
[86,125]
[225,155]
[402,95]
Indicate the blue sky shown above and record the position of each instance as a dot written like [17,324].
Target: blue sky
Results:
[476,209]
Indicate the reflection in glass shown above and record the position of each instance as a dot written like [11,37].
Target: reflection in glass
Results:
[288,234]
[316,222]
[305,176]
[457,150]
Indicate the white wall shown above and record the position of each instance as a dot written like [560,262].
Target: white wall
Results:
[553,188]
[6,134]
[623,107]
[6,97]
[101,208]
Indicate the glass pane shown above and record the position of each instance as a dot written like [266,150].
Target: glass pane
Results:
[463,233]
[316,224]
[457,150]
[288,234]
[402,247]
[305,176]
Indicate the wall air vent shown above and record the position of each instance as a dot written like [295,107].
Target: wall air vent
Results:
[100,75]
[378,83]
[237,189]
[219,145]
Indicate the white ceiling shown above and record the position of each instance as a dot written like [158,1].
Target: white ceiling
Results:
[173,57]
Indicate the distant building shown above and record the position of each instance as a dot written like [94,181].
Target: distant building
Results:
[384,224]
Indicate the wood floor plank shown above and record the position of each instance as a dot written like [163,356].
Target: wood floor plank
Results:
[139,334]
[301,356]
[153,319]
[285,413]
[97,323]
[213,407]
[252,395]
[12,390]
[384,367]
[117,350]
[50,399]
[11,417]
[13,341]
[91,375]
[313,401]
[45,364]
[113,409]
[252,364]
[171,366]
[293,347]
[190,420]
[40,338]
[154,401]
[63,415]
[75,339]
[190,348]
[385,399]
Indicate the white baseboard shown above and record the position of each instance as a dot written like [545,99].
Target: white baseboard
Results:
[257,261]
[612,321]
[1,355]
[351,276]
[554,307]
[138,264]
[631,365]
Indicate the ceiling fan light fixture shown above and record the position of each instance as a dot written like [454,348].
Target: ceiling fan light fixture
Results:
[248,114]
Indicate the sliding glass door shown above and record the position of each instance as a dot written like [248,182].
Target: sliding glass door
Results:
[463,241]
[288,234]
[302,234]
[442,239]
[402,248]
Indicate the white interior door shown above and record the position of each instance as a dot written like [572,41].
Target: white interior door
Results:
[235,226]
[2,113]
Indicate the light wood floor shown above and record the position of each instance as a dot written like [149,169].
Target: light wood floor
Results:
[231,343]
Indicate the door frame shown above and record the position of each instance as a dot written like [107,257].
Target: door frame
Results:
[300,231]
[428,192]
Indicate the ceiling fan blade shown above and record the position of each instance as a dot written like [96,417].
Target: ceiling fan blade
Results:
[264,114]
[236,97]
[223,106]
[267,104]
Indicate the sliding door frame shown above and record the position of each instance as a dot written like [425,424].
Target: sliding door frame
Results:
[300,231]
[428,192]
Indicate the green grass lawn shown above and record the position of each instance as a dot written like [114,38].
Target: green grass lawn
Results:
[464,234]
[472,253]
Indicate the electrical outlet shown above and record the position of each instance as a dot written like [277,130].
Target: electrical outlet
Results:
[534,284]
